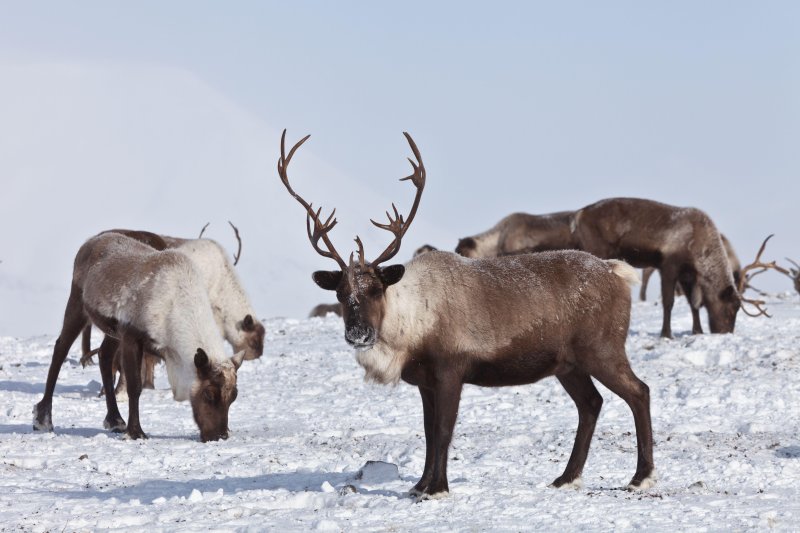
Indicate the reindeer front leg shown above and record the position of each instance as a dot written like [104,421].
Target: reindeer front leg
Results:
[668,280]
[132,353]
[428,411]
[447,395]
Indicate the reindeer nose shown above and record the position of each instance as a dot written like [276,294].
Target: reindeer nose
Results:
[360,336]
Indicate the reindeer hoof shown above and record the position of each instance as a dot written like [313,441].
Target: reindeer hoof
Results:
[117,425]
[435,496]
[560,483]
[643,484]
[135,435]
[42,421]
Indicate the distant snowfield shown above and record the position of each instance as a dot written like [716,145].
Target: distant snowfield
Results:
[725,421]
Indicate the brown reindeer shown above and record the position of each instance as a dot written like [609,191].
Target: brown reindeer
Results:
[733,261]
[794,274]
[442,320]
[521,233]
[736,269]
[682,243]
[146,300]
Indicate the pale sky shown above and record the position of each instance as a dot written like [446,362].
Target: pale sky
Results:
[516,106]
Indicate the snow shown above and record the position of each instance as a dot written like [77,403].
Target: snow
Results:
[313,447]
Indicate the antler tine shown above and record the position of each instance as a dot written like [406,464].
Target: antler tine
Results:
[744,281]
[397,225]
[321,229]
[238,253]
[361,259]
[203,230]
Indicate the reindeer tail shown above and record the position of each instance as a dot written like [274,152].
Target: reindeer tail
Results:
[625,271]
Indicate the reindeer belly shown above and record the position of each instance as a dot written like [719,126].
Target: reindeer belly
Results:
[512,370]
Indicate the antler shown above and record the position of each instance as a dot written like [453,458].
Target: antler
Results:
[744,281]
[397,225]
[238,253]
[321,229]
[203,230]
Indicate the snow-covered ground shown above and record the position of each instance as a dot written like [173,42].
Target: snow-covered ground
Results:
[725,420]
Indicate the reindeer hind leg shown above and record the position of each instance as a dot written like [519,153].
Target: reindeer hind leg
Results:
[75,320]
[580,388]
[108,351]
[620,379]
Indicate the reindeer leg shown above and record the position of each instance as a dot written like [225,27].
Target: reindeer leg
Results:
[121,389]
[580,388]
[428,411]
[447,395]
[646,273]
[668,280]
[621,380]
[108,351]
[131,363]
[688,290]
[74,321]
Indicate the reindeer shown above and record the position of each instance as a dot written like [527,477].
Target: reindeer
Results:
[682,243]
[521,233]
[736,269]
[733,261]
[230,305]
[443,320]
[153,301]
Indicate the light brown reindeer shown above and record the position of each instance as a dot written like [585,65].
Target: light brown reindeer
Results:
[443,320]
[230,305]
[521,233]
[146,300]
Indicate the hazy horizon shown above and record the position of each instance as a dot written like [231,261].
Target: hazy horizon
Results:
[167,116]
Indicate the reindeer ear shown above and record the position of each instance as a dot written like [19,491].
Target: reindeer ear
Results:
[248,324]
[391,274]
[201,360]
[238,358]
[327,279]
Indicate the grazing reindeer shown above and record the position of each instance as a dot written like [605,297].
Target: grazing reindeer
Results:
[521,233]
[733,261]
[682,243]
[153,301]
[442,320]
[230,305]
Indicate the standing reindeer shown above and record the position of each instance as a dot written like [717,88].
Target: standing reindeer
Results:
[521,232]
[153,301]
[442,320]
[229,303]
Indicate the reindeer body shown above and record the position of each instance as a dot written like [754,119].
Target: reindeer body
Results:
[682,243]
[521,232]
[508,321]
[153,301]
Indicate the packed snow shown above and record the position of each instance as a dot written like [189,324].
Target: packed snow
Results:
[313,447]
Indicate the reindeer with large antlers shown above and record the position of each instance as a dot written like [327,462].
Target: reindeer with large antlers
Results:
[443,320]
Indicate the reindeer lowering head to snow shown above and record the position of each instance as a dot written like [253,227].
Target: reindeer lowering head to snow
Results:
[443,320]
[153,301]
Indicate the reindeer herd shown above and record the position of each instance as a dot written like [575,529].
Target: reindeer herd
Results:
[534,296]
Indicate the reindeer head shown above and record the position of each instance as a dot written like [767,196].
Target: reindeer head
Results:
[213,393]
[251,338]
[466,247]
[360,285]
